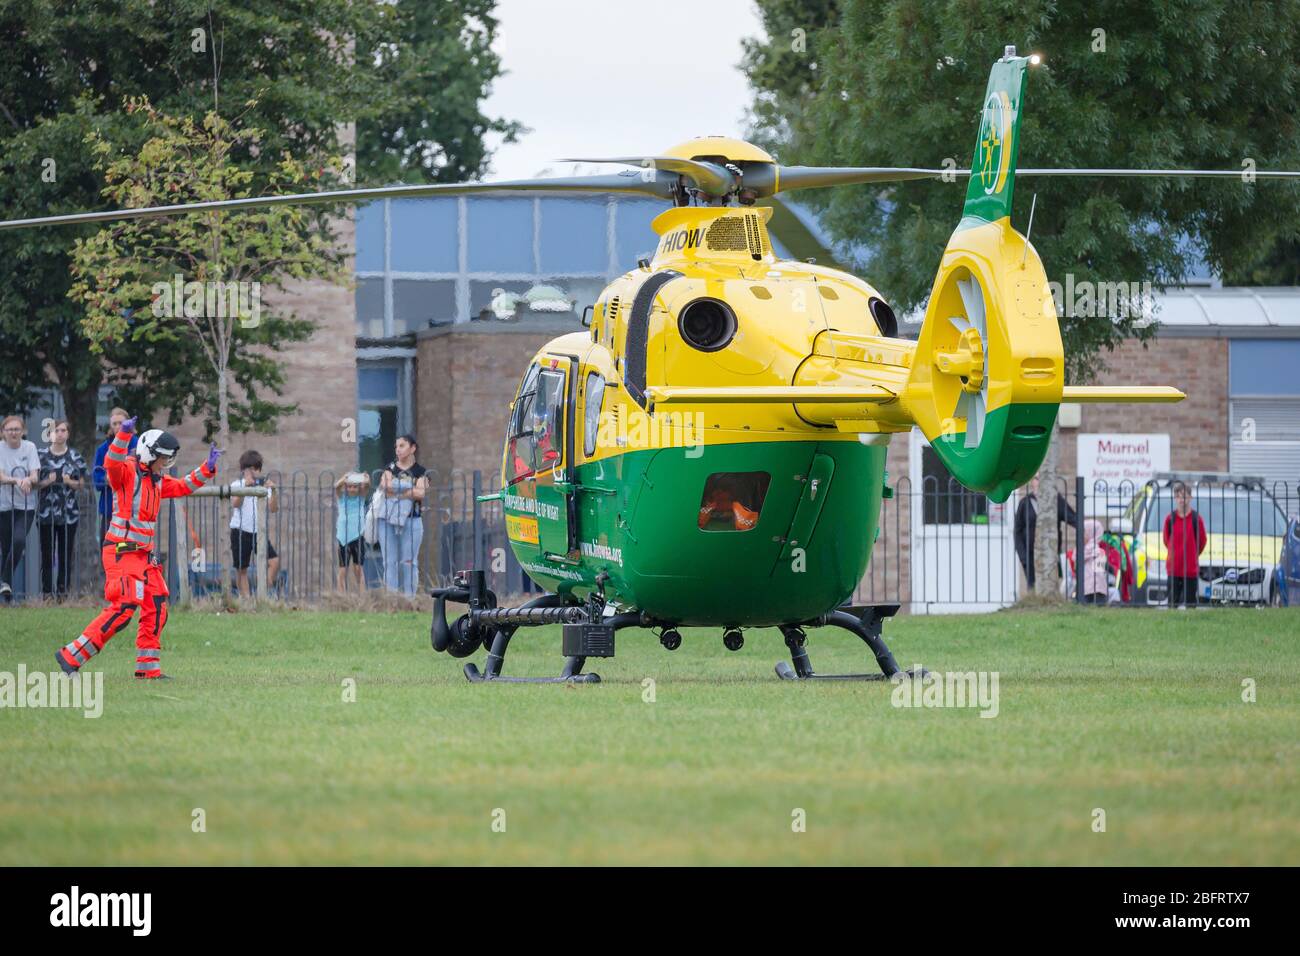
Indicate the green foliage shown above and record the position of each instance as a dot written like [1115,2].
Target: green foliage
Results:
[67,69]
[783,67]
[1179,84]
[437,64]
[131,276]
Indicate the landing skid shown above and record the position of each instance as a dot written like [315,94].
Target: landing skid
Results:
[786,672]
[866,622]
[572,674]
[589,631]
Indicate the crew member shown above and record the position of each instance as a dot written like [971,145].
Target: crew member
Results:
[133,578]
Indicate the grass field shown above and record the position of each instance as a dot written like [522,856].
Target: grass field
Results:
[1139,714]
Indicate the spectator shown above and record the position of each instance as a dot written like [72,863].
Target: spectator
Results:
[1120,558]
[63,474]
[402,530]
[1026,526]
[351,490]
[243,522]
[20,469]
[1095,565]
[1185,538]
[115,419]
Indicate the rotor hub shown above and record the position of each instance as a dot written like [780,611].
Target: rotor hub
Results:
[966,361]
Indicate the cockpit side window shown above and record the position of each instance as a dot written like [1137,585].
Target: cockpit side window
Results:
[520,442]
[548,421]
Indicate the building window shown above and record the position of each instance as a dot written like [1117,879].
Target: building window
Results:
[497,298]
[444,259]
[419,303]
[370,237]
[383,409]
[568,227]
[369,299]
[1264,402]
[501,235]
[425,235]
[634,237]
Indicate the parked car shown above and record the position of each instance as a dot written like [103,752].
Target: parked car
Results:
[1287,575]
[1245,530]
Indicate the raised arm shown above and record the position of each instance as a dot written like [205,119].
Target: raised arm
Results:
[115,467]
[196,479]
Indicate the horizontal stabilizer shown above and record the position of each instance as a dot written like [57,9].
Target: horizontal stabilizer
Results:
[1097,394]
[767,394]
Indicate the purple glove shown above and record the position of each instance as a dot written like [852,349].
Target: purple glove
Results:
[128,425]
[213,454]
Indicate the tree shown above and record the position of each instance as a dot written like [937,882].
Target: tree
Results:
[201,277]
[66,70]
[783,69]
[1169,84]
[442,47]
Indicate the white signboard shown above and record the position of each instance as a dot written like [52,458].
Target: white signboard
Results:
[1123,464]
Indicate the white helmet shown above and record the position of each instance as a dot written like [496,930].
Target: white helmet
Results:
[156,443]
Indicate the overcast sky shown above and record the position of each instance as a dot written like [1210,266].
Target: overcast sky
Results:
[617,78]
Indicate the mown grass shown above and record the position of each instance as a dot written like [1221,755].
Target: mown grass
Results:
[1138,714]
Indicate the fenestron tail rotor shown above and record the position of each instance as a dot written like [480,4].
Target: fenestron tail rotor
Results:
[972,403]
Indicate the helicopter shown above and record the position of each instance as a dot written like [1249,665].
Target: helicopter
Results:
[709,451]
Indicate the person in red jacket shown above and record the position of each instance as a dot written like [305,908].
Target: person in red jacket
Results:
[132,578]
[1185,538]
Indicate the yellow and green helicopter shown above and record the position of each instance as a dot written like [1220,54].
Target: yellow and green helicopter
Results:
[710,451]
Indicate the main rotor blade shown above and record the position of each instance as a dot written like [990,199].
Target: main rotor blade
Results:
[814,177]
[1242,174]
[659,185]
[710,177]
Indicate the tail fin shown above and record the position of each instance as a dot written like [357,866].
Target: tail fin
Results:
[993,169]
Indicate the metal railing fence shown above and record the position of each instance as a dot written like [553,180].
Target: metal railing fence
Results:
[939,547]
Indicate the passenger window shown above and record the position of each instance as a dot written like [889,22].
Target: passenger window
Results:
[595,395]
[732,500]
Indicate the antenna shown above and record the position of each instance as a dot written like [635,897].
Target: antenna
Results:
[1032,205]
